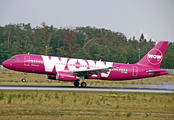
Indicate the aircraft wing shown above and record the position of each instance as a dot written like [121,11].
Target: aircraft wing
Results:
[92,71]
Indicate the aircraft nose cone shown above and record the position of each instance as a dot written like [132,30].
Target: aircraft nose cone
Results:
[6,64]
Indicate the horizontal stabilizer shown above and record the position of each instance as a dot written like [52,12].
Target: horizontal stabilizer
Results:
[150,71]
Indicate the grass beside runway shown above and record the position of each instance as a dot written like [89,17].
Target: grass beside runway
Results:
[85,105]
[13,77]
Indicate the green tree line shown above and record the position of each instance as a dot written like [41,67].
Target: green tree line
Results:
[80,42]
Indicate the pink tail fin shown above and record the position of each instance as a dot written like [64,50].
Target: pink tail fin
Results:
[154,57]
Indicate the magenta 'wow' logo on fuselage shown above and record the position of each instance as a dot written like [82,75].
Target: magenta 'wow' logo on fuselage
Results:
[154,56]
[77,64]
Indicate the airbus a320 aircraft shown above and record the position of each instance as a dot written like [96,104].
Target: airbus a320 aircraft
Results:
[70,69]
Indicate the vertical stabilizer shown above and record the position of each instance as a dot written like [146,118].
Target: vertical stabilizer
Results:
[154,57]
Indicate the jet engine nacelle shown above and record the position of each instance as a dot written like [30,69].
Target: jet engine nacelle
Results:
[63,76]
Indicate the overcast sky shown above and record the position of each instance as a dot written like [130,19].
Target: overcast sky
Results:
[153,18]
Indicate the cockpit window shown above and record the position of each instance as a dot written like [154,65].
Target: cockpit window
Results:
[14,59]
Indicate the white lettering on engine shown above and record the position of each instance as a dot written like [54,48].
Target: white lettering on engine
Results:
[70,76]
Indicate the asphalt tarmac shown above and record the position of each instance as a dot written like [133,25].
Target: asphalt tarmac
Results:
[87,89]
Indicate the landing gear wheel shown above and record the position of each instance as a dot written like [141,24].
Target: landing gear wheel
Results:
[76,84]
[83,84]
[23,80]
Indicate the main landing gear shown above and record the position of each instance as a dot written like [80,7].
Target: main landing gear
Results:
[23,79]
[76,83]
[83,84]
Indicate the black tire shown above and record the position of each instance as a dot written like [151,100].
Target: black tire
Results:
[76,84]
[23,80]
[83,84]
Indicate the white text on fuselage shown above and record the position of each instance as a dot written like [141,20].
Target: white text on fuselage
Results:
[72,64]
[122,70]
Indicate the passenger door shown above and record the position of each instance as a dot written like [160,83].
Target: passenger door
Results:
[26,60]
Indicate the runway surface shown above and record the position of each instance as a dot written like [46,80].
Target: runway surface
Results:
[87,89]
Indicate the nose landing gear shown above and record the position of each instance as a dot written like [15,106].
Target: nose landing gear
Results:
[25,75]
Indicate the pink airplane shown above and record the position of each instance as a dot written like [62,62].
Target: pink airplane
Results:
[71,69]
